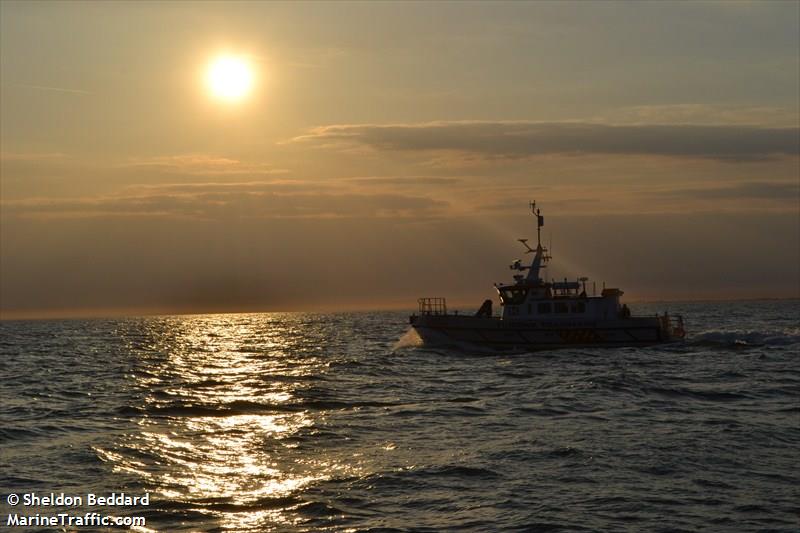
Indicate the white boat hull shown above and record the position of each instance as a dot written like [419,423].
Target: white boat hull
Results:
[532,335]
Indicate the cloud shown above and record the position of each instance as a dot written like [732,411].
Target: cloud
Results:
[774,191]
[202,164]
[32,156]
[52,89]
[703,114]
[520,139]
[193,188]
[409,181]
[219,201]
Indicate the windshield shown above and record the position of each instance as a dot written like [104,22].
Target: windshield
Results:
[513,296]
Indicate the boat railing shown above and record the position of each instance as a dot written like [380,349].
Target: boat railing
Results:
[673,325]
[432,306]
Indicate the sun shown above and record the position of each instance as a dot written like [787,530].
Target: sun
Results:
[230,78]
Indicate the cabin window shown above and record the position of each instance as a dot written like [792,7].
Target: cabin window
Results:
[579,307]
[561,307]
[513,296]
[543,308]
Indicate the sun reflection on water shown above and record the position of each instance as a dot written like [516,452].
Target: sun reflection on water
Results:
[222,404]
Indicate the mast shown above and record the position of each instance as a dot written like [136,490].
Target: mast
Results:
[539,222]
[541,257]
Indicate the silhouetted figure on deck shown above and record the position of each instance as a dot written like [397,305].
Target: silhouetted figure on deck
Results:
[486,309]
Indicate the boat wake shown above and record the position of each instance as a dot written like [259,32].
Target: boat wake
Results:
[743,338]
[410,339]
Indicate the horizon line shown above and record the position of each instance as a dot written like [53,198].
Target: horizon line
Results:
[101,314]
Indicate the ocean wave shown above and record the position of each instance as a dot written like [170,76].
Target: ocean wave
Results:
[317,509]
[229,505]
[702,395]
[744,338]
[242,407]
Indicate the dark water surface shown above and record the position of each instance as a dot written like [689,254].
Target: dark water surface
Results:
[309,422]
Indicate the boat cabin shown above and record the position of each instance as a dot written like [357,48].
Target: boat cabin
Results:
[532,298]
[545,303]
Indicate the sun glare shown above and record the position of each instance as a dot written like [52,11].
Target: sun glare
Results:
[229,78]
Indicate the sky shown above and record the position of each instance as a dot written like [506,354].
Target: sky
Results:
[387,151]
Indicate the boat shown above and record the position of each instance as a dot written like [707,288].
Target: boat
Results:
[540,314]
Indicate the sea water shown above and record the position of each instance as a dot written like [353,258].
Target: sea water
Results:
[315,422]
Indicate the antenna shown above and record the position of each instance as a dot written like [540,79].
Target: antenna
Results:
[539,221]
[525,244]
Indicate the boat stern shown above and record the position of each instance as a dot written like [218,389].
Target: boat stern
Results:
[672,327]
